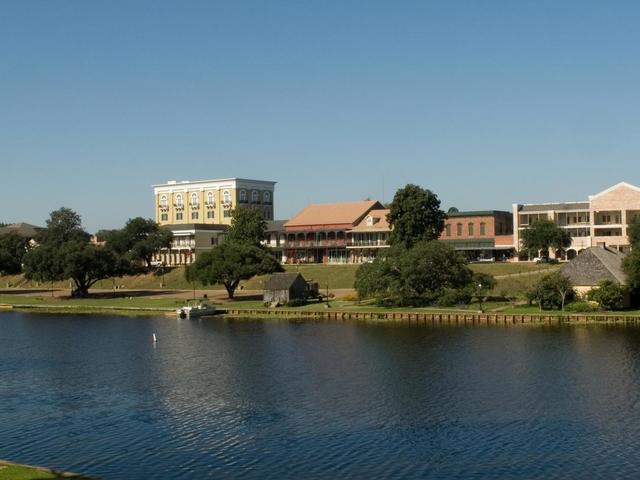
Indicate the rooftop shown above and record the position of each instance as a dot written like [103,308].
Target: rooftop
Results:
[478,213]
[22,229]
[282,281]
[595,264]
[343,213]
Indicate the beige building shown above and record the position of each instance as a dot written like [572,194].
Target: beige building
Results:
[602,220]
[210,201]
[198,213]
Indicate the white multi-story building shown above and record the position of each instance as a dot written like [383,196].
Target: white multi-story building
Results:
[602,220]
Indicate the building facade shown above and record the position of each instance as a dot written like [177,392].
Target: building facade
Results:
[198,213]
[480,235]
[602,220]
[210,201]
[324,233]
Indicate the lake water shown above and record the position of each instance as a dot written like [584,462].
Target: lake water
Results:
[253,399]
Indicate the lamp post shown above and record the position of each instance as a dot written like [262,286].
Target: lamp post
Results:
[480,296]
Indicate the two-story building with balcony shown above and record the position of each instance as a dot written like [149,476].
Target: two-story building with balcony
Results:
[198,213]
[323,233]
[602,220]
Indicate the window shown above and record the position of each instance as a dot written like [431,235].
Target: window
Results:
[483,229]
[179,216]
[470,226]
[447,228]
[163,201]
[227,213]
[194,200]
[210,198]
[210,214]
[254,196]
[243,196]
[194,215]
[164,217]
[227,196]
[459,229]
[178,200]
[267,198]
[214,240]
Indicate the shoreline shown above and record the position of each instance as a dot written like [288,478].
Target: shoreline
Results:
[10,470]
[411,317]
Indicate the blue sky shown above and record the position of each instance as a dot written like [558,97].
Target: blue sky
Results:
[485,103]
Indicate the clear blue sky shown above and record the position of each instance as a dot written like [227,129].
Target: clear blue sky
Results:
[486,103]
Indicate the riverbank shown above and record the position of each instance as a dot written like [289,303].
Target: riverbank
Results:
[15,471]
[336,311]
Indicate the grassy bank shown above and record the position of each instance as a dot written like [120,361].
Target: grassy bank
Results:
[13,471]
[333,276]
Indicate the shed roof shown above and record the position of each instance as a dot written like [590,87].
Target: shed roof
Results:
[282,281]
[333,213]
[595,264]
[25,230]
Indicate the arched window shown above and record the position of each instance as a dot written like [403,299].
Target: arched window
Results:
[470,226]
[194,199]
[178,200]
[254,196]
[243,196]
[163,201]
[459,229]
[448,229]
[483,228]
[267,197]
[210,198]
[227,196]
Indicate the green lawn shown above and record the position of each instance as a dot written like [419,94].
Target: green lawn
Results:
[500,269]
[335,276]
[10,471]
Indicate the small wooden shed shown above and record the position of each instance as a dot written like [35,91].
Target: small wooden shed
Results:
[284,287]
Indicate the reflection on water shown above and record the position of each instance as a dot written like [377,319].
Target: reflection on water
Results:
[216,399]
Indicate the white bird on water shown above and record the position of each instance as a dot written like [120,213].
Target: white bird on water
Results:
[155,339]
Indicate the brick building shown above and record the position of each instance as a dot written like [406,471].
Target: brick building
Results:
[480,235]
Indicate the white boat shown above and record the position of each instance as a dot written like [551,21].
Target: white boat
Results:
[195,309]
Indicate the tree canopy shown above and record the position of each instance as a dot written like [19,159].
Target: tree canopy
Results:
[247,225]
[64,252]
[415,216]
[417,276]
[139,240]
[544,234]
[230,263]
[12,250]
[553,290]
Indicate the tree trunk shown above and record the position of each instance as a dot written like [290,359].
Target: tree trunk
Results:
[231,288]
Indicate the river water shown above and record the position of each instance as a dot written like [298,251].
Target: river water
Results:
[269,399]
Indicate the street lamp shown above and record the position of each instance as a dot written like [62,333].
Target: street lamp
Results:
[480,296]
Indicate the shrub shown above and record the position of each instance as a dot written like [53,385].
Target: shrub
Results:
[454,296]
[610,295]
[296,302]
[581,307]
[350,297]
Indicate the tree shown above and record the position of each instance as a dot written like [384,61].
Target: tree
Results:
[610,295]
[64,252]
[139,240]
[417,276]
[247,225]
[544,234]
[415,216]
[230,263]
[12,250]
[633,231]
[552,291]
